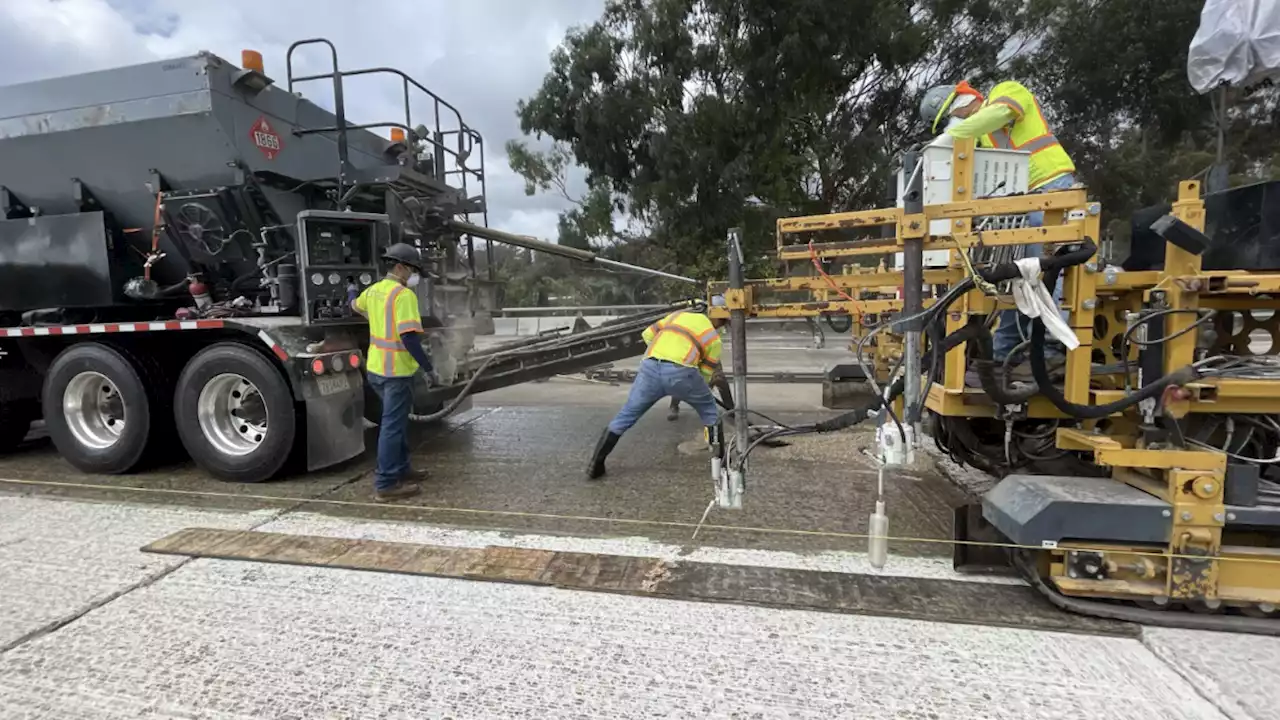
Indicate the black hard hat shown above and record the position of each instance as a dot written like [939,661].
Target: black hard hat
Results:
[405,254]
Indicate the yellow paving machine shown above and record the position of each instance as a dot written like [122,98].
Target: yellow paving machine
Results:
[1136,471]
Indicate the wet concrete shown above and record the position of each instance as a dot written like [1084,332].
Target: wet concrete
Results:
[516,460]
[179,484]
[522,459]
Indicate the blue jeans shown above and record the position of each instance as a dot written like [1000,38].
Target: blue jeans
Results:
[1007,336]
[658,379]
[396,394]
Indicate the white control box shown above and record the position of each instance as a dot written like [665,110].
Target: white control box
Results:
[995,173]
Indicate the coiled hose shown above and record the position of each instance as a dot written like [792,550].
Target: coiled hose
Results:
[1040,371]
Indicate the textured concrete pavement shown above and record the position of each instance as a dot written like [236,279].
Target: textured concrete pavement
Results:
[516,461]
[217,639]
[92,628]
[59,558]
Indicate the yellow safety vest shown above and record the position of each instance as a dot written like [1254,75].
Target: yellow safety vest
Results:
[392,309]
[685,338]
[1028,132]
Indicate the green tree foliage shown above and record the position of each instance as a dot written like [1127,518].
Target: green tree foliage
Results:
[684,110]
[689,117]
[588,223]
[1112,75]
[534,279]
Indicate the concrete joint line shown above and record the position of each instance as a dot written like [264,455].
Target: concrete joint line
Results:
[1213,695]
[60,623]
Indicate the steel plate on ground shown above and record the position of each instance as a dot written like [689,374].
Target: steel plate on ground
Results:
[915,598]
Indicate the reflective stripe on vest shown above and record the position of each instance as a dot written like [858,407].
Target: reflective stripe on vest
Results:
[1029,132]
[388,356]
[697,354]
[1014,104]
[389,340]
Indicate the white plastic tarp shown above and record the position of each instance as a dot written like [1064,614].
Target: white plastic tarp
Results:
[1238,44]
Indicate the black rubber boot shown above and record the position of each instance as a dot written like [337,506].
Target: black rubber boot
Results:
[603,448]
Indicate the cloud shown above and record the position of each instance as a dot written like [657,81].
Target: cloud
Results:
[481,56]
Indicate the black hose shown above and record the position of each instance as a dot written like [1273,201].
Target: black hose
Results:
[1040,372]
[844,327]
[856,416]
[935,313]
[934,321]
[1159,618]
[721,384]
[853,417]
[984,366]
[174,289]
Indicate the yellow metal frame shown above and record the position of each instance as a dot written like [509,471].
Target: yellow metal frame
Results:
[1196,565]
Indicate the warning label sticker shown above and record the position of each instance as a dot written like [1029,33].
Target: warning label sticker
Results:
[266,138]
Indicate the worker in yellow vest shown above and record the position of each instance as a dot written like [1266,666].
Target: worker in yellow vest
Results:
[1009,118]
[396,355]
[683,357]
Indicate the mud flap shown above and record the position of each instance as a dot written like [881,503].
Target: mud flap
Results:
[970,526]
[335,424]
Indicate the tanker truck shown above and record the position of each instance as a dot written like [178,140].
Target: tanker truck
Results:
[179,246]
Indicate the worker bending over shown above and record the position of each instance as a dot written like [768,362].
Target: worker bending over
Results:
[721,385]
[1010,118]
[396,354]
[683,357]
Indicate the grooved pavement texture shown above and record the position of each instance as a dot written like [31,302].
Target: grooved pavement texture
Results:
[218,639]
[221,639]
[1241,671]
[58,557]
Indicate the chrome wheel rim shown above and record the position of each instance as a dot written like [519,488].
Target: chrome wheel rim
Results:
[232,414]
[93,410]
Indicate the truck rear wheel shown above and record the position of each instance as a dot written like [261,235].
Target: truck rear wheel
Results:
[97,409]
[235,413]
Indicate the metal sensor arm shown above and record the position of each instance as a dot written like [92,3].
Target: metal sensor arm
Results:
[584,256]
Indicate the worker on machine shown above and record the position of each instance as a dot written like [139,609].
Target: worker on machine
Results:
[396,355]
[682,359]
[1010,118]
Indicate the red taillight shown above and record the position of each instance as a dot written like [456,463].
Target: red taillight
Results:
[355,360]
[317,366]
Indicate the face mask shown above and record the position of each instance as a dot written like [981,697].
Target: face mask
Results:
[413,280]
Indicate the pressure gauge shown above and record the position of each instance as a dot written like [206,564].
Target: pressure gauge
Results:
[334,278]
[365,278]
[317,279]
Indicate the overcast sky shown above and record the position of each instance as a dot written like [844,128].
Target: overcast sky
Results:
[480,55]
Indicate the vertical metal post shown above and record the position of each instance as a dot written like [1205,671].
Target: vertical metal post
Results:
[738,338]
[912,282]
[340,114]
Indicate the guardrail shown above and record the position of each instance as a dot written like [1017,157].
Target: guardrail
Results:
[557,310]
[529,324]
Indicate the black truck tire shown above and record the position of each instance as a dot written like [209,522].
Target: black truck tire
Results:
[15,422]
[235,413]
[97,409]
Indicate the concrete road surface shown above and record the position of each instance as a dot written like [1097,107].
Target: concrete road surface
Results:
[92,628]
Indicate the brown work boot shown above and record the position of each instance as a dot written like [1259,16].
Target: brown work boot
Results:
[399,491]
[414,476]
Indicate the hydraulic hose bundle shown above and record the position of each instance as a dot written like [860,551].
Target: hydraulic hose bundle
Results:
[979,335]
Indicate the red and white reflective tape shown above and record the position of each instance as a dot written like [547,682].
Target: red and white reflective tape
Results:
[100,328]
[271,343]
[113,327]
